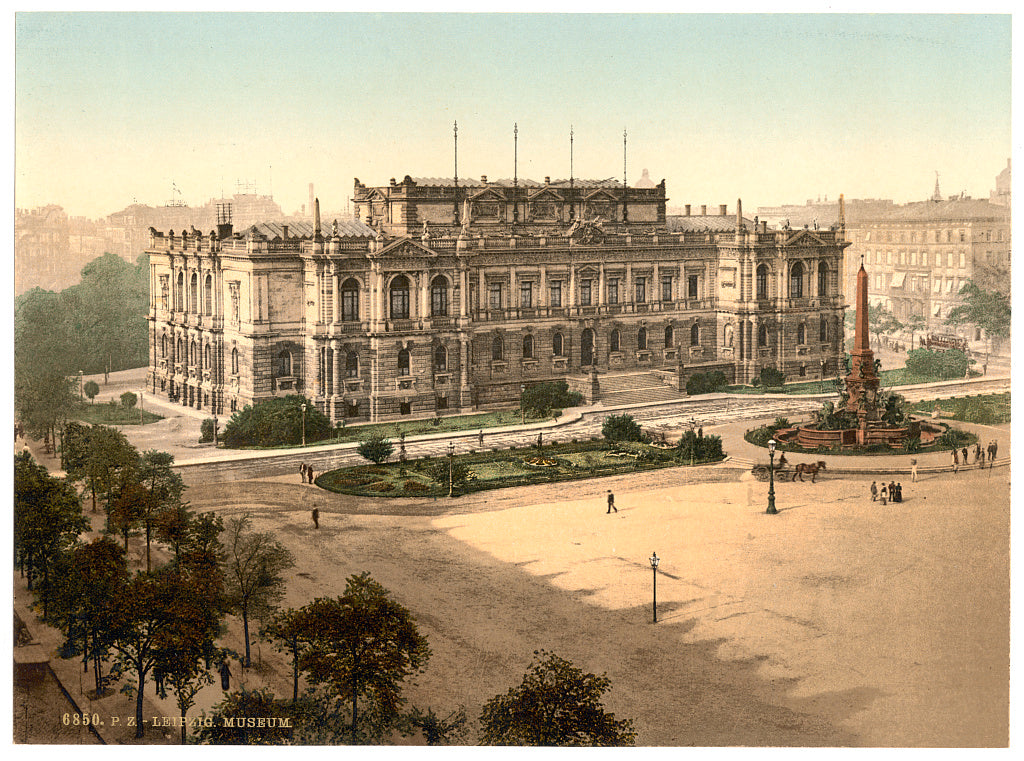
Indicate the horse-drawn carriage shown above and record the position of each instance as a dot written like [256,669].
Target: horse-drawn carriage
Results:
[761,472]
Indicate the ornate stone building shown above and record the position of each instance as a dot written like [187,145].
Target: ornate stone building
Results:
[445,296]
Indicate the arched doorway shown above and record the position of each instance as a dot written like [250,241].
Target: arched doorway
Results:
[587,347]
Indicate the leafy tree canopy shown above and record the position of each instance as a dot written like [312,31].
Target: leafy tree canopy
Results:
[987,309]
[541,398]
[376,448]
[621,428]
[276,422]
[557,704]
[946,364]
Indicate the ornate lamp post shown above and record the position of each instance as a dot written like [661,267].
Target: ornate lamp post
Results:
[771,477]
[822,381]
[451,461]
[81,384]
[303,425]
[214,431]
[654,567]
[522,409]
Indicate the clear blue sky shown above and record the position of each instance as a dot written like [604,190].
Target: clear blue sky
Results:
[773,109]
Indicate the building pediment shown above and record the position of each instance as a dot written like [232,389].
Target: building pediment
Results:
[804,238]
[374,194]
[601,195]
[487,194]
[404,248]
[546,194]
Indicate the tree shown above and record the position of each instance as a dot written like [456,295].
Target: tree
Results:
[47,520]
[376,449]
[914,324]
[621,428]
[557,704]
[129,400]
[288,632]
[100,456]
[706,383]
[254,562]
[771,377]
[163,491]
[363,645]
[91,388]
[440,470]
[988,310]
[449,730]
[947,364]
[881,321]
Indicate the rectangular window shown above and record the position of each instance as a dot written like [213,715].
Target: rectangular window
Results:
[924,258]
[349,304]
[556,293]
[526,295]
[641,290]
[439,301]
[963,260]
[584,293]
[691,287]
[613,291]
[495,301]
[666,288]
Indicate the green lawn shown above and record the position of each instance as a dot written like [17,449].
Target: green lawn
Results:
[897,377]
[107,413]
[985,409]
[393,430]
[498,470]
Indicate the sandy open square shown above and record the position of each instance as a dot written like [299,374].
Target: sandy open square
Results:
[836,622]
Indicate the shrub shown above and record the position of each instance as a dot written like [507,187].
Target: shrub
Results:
[780,423]
[206,430]
[706,383]
[940,365]
[128,400]
[91,389]
[376,449]
[621,428]
[699,448]
[772,378]
[542,398]
[276,422]
[415,487]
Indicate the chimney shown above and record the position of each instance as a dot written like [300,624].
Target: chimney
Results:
[284,232]
[703,209]
[547,180]
[687,209]
[483,179]
[722,210]
[393,183]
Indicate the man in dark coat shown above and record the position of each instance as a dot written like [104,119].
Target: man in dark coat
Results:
[225,675]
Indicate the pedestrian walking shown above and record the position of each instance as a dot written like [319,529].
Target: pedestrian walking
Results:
[982,454]
[899,493]
[956,461]
[913,471]
[225,675]
[995,448]
[309,472]
[481,438]
[963,451]
[892,491]
[977,453]
[874,491]
[884,494]
[611,502]
[316,517]
[302,471]
[540,440]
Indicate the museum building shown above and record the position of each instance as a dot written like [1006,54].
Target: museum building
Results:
[447,296]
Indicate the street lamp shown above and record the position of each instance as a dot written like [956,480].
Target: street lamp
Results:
[303,425]
[142,410]
[451,461]
[771,477]
[81,384]
[654,567]
[822,380]
[522,409]
[214,431]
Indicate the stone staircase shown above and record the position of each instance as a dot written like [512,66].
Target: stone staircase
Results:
[634,388]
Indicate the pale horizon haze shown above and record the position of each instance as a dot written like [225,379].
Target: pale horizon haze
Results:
[112,108]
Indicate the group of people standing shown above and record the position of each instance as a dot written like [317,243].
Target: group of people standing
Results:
[306,471]
[891,491]
[961,456]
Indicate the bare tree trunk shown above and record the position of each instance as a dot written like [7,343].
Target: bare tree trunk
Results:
[245,629]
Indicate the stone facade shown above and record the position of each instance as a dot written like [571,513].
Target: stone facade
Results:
[442,297]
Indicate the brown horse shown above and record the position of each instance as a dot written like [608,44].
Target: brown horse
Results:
[810,469]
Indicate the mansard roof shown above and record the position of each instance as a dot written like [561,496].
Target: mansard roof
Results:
[952,210]
[347,228]
[523,182]
[715,223]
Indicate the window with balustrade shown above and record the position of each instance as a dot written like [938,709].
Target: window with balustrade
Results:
[350,300]
[439,297]
[796,281]
[400,298]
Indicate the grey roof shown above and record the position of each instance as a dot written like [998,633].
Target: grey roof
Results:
[715,223]
[953,209]
[447,182]
[347,228]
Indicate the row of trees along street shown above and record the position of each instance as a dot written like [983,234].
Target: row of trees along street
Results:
[165,621]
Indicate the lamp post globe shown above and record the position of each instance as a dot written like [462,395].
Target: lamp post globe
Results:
[654,567]
[522,409]
[771,477]
[303,425]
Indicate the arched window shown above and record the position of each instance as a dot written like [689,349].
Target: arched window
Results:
[179,293]
[762,335]
[587,347]
[400,298]
[440,358]
[695,335]
[527,347]
[193,354]
[439,297]
[351,365]
[822,279]
[193,293]
[728,335]
[613,341]
[284,363]
[641,339]
[556,345]
[234,361]
[823,330]
[670,337]
[796,281]
[403,362]
[163,345]
[350,300]
[801,333]
[762,281]
[497,349]
[208,294]
[179,354]
[208,357]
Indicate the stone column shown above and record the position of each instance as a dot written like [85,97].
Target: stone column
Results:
[513,296]
[630,295]
[542,296]
[572,286]
[654,294]
[601,286]
[482,296]
[463,291]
